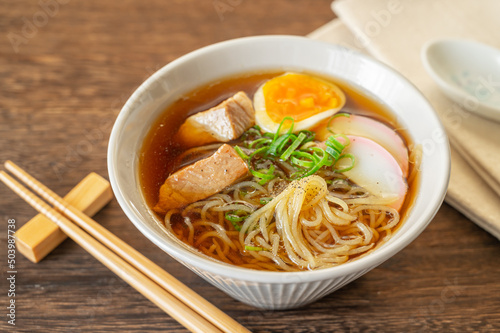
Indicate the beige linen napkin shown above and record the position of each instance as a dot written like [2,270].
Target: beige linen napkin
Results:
[467,192]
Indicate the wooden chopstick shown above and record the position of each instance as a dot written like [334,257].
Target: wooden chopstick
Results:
[132,256]
[168,303]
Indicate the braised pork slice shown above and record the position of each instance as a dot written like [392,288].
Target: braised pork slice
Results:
[201,179]
[222,123]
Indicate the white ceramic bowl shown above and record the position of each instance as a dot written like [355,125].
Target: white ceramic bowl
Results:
[276,290]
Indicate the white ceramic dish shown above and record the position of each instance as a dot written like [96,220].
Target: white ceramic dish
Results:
[467,72]
[276,290]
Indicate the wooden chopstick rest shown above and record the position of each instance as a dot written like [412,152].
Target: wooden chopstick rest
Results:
[39,236]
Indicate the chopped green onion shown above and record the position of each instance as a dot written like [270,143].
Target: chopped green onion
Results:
[290,130]
[259,142]
[286,138]
[241,153]
[254,248]
[333,117]
[318,165]
[262,150]
[310,135]
[261,174]
[347,141]
[234,218]
[334,147]
[264,177]
[236,226]
[293,146]
[332,152]
[298,159]
[297,175]
[353,161]
[252,131]
[265,201]
[297,151]
[334,143]
[324,157]
[273,148]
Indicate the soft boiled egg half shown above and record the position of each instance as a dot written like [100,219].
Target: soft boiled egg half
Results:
[306,99]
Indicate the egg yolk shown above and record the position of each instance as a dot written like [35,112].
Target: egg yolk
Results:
[298,96]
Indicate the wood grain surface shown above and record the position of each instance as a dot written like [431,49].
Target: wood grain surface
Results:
[67,67]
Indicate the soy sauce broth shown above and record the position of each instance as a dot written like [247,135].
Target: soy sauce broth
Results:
[160,148]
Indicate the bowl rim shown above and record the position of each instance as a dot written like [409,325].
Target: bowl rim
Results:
[224,270]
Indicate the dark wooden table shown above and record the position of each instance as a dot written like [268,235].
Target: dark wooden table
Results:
[67,67]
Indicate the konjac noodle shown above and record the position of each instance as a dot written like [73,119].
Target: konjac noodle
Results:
[279,171]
